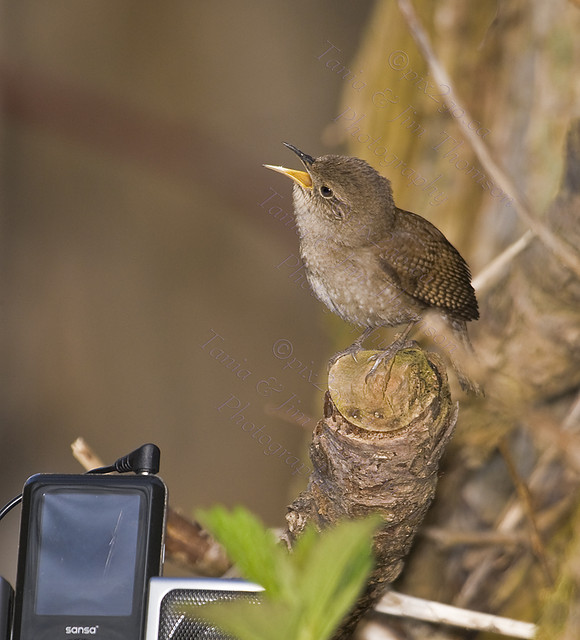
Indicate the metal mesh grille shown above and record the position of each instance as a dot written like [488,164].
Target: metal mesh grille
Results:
[174,624]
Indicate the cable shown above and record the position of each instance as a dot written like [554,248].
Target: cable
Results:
[8,507]
[144,460]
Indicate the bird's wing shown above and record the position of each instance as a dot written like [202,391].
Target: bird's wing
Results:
[420,260]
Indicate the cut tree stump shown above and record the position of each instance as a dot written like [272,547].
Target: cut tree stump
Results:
[377,450]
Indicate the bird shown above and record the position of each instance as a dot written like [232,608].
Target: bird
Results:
[372,263]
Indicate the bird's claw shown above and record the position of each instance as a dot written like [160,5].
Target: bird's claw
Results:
[387,354]
[352,351]
[378,358]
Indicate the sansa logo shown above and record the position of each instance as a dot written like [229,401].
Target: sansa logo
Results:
[84,630]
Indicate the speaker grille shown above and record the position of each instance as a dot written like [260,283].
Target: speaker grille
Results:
[176,624]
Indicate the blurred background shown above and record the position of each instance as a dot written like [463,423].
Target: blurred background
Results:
[133,137]
[151,285]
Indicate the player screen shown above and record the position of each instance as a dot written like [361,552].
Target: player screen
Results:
[87,553]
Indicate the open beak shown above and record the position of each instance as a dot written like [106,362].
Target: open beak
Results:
[301,178]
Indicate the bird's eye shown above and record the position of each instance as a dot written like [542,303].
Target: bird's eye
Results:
[325,192]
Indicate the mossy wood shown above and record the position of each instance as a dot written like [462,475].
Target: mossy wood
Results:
[377,450]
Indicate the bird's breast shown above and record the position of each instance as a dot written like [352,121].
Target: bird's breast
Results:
[350,283]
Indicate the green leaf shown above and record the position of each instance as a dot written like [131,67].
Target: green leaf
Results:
[250,546]
[335,574]
[246,621]
[307,592]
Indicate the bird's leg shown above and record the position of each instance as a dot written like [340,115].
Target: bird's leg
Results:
[354,348]
[400,343]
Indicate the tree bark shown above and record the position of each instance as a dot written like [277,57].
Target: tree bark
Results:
[529,345]
[377,450]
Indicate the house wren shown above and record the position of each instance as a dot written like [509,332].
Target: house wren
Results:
[370,262]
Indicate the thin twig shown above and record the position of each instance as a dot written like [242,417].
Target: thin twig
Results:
[275,412]
[186,542]
[561,249]
[87,458]
[447,538]
[513,511]
[526,500]
[572,420]
[400,604]
[374,630]
[490,273]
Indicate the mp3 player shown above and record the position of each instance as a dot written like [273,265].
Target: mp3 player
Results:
[88,546]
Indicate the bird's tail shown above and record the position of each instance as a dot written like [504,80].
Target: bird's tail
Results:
[468,385]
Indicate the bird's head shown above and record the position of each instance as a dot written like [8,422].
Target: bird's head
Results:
[341,196]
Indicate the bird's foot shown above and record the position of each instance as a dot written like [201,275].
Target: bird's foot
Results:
[349,351]
[386,354]
[354,348]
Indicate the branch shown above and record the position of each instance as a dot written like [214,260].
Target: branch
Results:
[186,542]
[561,249]
[491,273]
[399,604]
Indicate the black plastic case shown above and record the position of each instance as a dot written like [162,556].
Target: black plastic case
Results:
[6,597]
[88,546]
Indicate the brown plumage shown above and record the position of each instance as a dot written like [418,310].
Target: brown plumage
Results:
[369,261]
